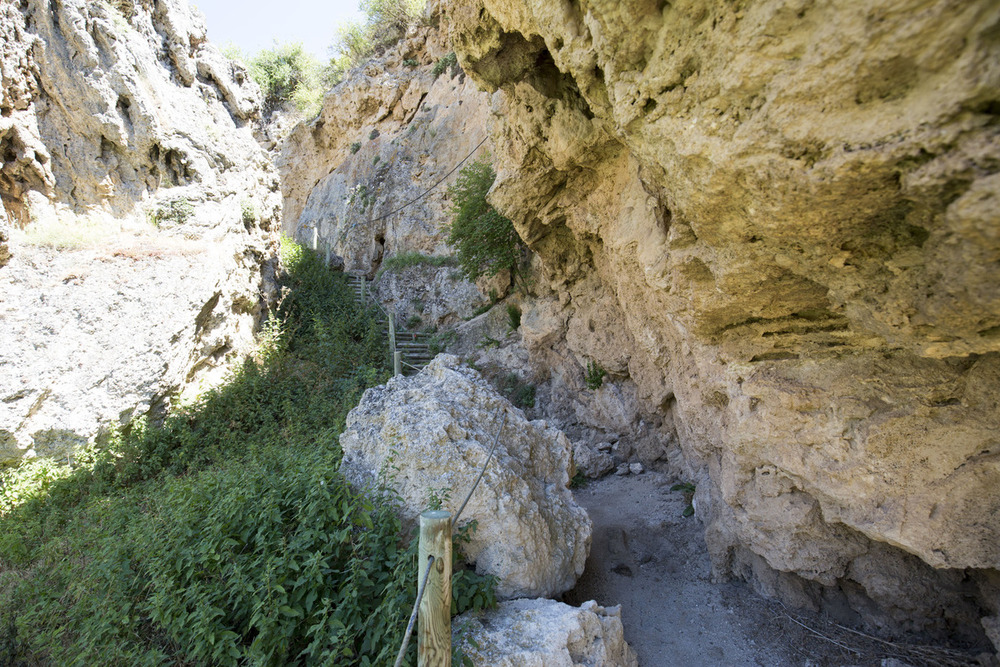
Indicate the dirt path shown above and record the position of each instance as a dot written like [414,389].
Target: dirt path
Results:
[652,561]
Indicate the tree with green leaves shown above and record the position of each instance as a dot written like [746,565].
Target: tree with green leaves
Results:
[485,242]
[286,73]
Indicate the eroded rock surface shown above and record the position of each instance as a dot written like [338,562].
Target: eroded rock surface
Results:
[436,429]
[142,216]
[778,224]
[368,177]
[545,633]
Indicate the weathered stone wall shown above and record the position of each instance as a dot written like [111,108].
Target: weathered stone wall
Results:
[140,211]
[780,223]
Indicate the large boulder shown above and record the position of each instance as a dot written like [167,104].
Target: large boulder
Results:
[435,430]
[544,633]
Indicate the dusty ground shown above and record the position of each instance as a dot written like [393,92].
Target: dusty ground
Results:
[652,561]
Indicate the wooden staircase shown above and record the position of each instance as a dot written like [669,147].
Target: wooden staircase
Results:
[414,346]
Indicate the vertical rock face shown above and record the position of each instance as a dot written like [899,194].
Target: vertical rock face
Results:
[792,212]
[139,214]
[368,177]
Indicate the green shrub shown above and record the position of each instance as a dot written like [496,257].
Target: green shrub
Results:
[385,23]
[287,74]
[175,211]
[410,62]
[688,489]
[485,241]
[355,147]
[513,316]
[226,535]
[248,212]
[517,391]
[594,375]
[373,135]
[443,63]
[440,342]
[413,321]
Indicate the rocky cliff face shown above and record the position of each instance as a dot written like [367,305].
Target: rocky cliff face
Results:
[139,209]
[778,225]
[368,177]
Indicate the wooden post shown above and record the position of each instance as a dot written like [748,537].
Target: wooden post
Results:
[397,363]
[434,617]
[315,238]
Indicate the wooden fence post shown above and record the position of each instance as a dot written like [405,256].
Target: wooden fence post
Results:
[397,363]
[434,617]
[315,243]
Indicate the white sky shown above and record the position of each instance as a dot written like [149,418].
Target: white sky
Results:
[255,24]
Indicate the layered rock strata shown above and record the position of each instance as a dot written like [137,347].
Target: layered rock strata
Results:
[778,223]
[142,215]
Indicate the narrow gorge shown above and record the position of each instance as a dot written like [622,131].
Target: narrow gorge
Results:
[762,258]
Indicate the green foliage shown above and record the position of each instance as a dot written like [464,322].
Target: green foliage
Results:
[174,211]
[485,241]
[410,62]
[469,591]
[443,63]
[385,23]
[413,321]
[687,488]
[376,159]
[248,212]
[355,147]
[440,342]
[594,375]
[373,135]
[438,498]
[225,535]
[405,260]
[487,342]
[513,316]
[286,73]
[579,481]
[517,391]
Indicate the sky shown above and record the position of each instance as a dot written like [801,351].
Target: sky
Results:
[254,24]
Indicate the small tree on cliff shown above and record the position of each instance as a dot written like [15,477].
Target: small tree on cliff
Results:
[485,241]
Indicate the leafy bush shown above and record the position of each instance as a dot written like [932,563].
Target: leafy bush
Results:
[386,22]
[248,212]
[517,391]
[594,375]
[513,316]
[176,211]
[355,147]
[688,489]
[485,241]
[410,62]
[226,535]
[286,74]
[440,342]
[443,63]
